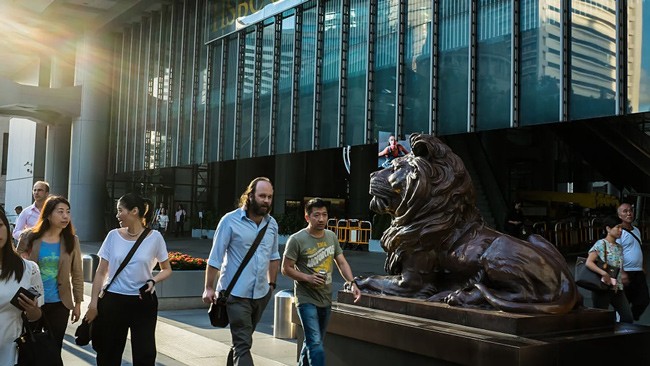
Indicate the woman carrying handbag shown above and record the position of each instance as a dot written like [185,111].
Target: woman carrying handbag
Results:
[52,244]
[610,253]
[124,278]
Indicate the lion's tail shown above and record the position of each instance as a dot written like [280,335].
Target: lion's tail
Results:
[569,296]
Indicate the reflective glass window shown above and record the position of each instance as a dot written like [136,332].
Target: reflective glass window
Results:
[246,128]
[266,90]
[417,67]
[141,100]
[164,88]
[355,129]
[454,74]
[494,64]
[215,101]
[186,122]
[539,62]
[132,138]
[231,96]
[306,96]
[176,83]
[638,56]
[123,117]
[331,76]
[152,137]
[385,87]
[593,58]
[201,97]
[285,84]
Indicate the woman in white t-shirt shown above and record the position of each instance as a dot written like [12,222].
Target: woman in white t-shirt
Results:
[15,273]
[130,303]
[163,221]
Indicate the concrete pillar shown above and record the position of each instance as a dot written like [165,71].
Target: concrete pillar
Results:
[57,154]
[88,155]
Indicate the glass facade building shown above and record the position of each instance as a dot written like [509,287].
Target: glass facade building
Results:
[206,82]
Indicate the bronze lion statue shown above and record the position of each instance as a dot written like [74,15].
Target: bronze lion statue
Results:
[438,247]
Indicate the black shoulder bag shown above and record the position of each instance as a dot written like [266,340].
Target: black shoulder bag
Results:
[85,332]
[217,312]
[36,345]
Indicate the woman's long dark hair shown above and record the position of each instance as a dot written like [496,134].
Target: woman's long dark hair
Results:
[12,264]
[132,200]
[43,224]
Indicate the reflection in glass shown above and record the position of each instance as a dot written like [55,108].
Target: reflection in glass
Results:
[231,94]
[176,77]
[152,101]
[215,101]
[246,129]
[494,64]
[122,142]
[539,62]
[593,58]
[454,89]
[200,101]
[331,74]
[308,65]
[163,87]
[417,67]
[638,53]
[283,137]
[384,93]
[187,123]
[355,129]
[132,137]
[266,89]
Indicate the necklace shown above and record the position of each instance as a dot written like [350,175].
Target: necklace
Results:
[133,235]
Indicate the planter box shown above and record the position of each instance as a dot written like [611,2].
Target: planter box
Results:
[183,290]
[203,233]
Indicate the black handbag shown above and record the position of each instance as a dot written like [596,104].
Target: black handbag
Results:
[37,346]
[217,312]
[590,280]
[94,329]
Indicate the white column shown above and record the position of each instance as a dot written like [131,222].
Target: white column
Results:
[88,155]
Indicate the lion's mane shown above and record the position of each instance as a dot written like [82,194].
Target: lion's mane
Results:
[439,175]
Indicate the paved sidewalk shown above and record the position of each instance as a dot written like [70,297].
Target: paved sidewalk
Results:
[185,337]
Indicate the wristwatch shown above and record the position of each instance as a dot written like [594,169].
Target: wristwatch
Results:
[272,284]
[153,282]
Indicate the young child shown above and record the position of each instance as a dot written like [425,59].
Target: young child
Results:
[615,295]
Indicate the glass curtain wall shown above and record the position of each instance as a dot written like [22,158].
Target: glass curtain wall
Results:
[216,57]
[285,84]
[385,87]
[494,69]
[153,62]
[164,86]
[305,128]
[230,90]
[593,58]
[540,61]
[200,90]
[638,56]
[355,128]
[187,122]
[246,126]
[263,138]
[417,67]
[331,76]
[454,74]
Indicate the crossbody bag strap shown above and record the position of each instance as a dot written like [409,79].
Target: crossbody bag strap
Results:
[605,250]
[127,258]
[247,258]
[633,235]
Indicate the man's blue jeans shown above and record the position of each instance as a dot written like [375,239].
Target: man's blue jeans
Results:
[314,321]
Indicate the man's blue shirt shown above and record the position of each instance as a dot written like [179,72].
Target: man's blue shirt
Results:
[234,236]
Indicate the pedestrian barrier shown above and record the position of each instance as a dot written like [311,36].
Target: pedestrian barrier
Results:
[352,232]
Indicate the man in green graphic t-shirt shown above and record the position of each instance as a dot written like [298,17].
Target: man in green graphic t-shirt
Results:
[309,259]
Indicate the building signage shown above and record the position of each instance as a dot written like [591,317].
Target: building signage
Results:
[223,15]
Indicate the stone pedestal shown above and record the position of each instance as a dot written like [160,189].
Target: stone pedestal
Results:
[385,330]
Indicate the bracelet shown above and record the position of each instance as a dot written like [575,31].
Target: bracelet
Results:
[153,282]
[272,284]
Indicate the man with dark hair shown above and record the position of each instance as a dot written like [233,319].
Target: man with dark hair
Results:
[308,260]
[634,281]
[234,236]
[29,216]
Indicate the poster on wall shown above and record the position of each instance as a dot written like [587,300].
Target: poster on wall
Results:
[390,148]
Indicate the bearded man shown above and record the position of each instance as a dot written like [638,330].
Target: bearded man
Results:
[234,236]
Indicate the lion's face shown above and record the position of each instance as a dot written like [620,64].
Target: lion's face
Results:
[388,186]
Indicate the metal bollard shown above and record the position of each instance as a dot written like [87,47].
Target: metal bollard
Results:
[90,263]
[282,325]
